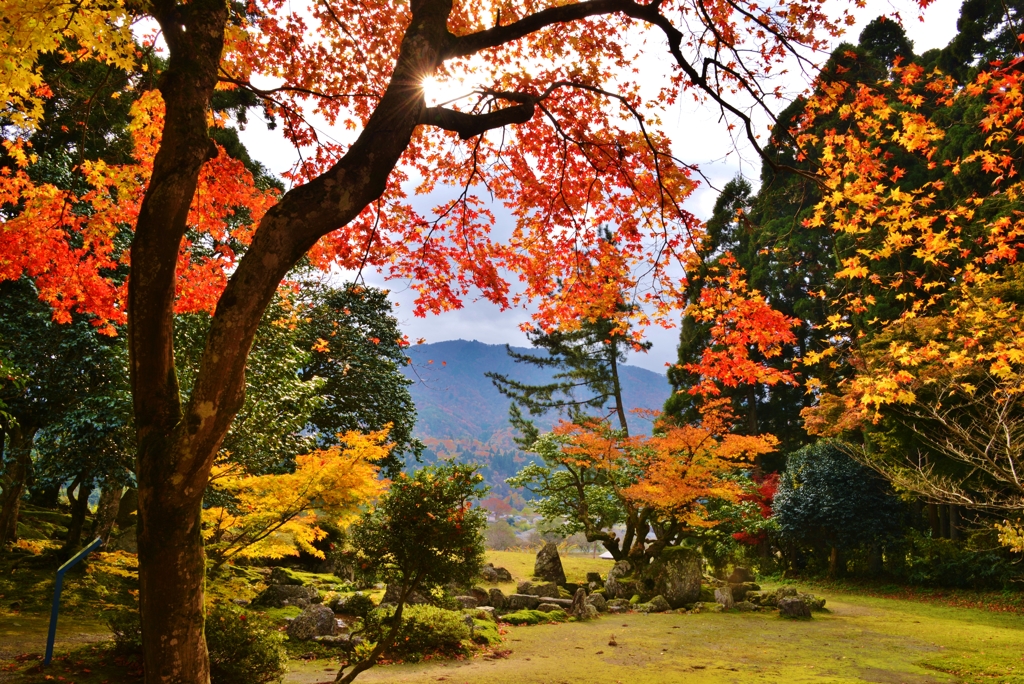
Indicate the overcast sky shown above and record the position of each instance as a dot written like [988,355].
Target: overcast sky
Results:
[700,139]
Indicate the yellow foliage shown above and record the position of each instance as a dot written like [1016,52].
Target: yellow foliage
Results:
[1012,535]
[272,516]
[75,30]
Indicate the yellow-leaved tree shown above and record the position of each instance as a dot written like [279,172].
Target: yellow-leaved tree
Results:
[272,516]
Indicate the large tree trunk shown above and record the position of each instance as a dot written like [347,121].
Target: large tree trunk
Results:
[15,477]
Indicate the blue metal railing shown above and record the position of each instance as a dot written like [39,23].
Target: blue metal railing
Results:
[96,543]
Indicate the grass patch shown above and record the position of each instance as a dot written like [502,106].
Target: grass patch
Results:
[862,639]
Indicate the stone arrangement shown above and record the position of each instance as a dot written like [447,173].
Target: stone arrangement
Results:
[673,582]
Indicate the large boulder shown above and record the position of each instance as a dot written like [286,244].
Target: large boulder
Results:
[740,575]
[579,606]
[675,575]
[521,601]
[548,589]
[792,607]
[497,599]
[280,595]
[548,565]
[495,575]
[612,585]
[597,600]
[813,602]
[285,576]
[467,601]
[723,596]
[740,591]
[482,596]
[316,620]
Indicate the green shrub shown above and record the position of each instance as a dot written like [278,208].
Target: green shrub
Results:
[126,624]
[534,617]
[426,630]
[245,647]
[358,604]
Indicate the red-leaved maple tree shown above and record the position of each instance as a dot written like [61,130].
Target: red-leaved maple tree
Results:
[557,128]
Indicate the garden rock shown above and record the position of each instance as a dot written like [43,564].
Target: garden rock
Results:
[598,602]
[723,596]
[503,575]
[489,574]
[658,604]
[675,575]
[548,607]
[482,596]
[812,601]
[285,576]
[496,598]
[467,601]
[342,641]
[740,575]
[792,607]
[783,592]
[612,587]
[548,565]
[521,601]
[525,588]
[316,620]
[578,609]
[392,592]
[280,595]
[745,606]
[127,541]
[740,591]
[594,577]
[548,589]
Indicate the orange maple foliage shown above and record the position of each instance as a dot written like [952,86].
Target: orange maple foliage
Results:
[744,331]
[66,241]
[673,472]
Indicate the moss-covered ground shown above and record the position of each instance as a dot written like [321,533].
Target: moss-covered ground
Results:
[862,639]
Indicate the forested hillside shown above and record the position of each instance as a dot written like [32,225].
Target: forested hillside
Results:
[459,409]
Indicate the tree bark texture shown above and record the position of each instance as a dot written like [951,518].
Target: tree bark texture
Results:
[178,443]
[18,457]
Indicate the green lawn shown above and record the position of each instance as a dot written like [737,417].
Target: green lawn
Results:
[861,639]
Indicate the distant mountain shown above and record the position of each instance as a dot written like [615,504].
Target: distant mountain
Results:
[460,412]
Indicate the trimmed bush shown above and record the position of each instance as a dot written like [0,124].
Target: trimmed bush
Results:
[426,630]
[126,624]
[358,604]
[245,646]
[534,617]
